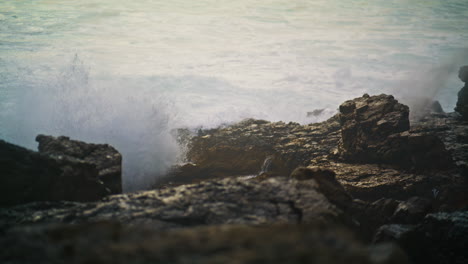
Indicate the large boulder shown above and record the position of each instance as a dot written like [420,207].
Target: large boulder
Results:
[104,157]
[375,129]
[462,103]
[367,122]
[28,176]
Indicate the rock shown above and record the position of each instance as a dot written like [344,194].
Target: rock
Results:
[110,242]
[243,148]
[462,103]
[316,112]
[28,176]
[327,182]
[463,74]
[375,129]
[107,159]
[421,107]
[435,107]
[439,238]
[412,210]
[226,201]
[371,216]
[428,151]
[391,232]
[367,122]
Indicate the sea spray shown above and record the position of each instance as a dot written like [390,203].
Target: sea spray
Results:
[134,119]
[428,83]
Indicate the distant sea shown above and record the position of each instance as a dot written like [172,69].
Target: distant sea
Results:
[128,72]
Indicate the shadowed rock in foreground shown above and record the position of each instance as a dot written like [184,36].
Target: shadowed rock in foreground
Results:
[439,238]
[462,103]
[227,201]
[107,159]
[27,176]
[115,243]
[283,221]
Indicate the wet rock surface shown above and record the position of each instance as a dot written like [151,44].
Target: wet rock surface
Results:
[27,176]
[106,159]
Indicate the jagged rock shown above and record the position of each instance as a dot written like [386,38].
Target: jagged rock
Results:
[226,201]
[412,210]
[107,159]
[375,129]
[109,242]
[462,103]
[242,148]
[370,216]
[391,232]
[28,176]
[367,122]
[327,182]
[439,238]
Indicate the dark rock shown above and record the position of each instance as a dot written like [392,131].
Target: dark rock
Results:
[370,216]
[28,176]
[375,129]
[435,107]
[226,201]
[367,122]
[391,232]
[107,159]
[462,103]
[316,112]
[327,184]
[243,148]
[439,238]
[109,242]
[463,74]
[412,210]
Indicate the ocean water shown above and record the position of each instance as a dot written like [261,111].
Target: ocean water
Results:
[128,72]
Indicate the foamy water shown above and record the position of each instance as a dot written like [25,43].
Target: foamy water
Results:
[127,73]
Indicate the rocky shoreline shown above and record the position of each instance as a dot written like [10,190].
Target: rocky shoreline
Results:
[366,186]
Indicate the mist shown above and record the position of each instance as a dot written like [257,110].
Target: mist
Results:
[431,83]
[128,115]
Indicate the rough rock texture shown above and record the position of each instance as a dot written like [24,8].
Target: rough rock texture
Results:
[107,159]
[243,148]
[109,242]
[327,184]
[27,176]
[412,210]
[227,201]
[462,103]
[367,122]
[429,148]
[440,238]
[375,129]
[295,222]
